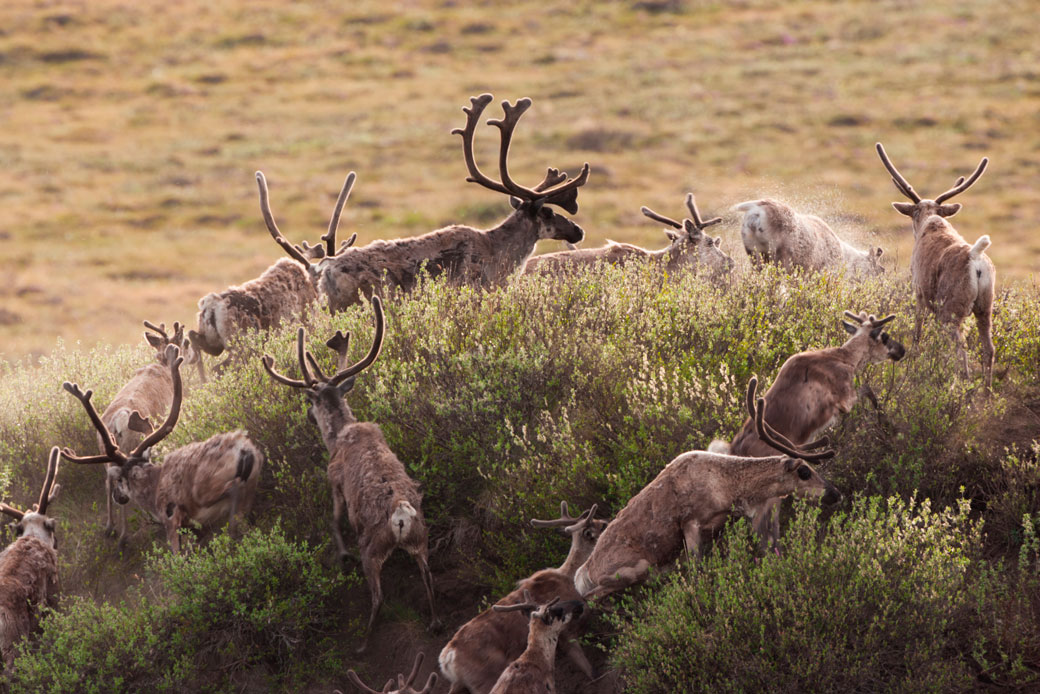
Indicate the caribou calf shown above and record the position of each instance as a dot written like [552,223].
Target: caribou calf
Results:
[383,503]
[466,255]
[690,249]
[773,232]
[533,670]
[690,500]
[203,482]
[28,567]
[484,646]
[951,278]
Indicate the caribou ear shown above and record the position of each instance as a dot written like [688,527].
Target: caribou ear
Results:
[672,236]
[346,386]
[515,202]
[154,340]
[139,423]
[906,208]
[849,328]
[948,210]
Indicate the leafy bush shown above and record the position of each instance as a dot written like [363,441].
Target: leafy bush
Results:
[882,598]
[235,604]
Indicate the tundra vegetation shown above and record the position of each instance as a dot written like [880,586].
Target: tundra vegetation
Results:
[580,389]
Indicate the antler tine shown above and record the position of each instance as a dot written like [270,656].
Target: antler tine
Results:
[344,245]
[268,362]
[587,516]
[552,178]
[330,237]
[174,359]
[377,344]
[48,482]
[11,511]
[961,185]
[314,367]
[415,670]
[265,208]
[528,603]
[565,195]
[477,106]
[107,440]
[902,184]
[431,682]
[660,217]
[854,316]
[564,519]
[340,343]
[885,321]
[783,446]
[160,329]
[301,356]
[352,676]
[691,205]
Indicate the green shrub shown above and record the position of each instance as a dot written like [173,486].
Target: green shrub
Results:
[236,604]
[869,606]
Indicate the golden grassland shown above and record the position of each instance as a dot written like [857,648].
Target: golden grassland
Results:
[131,130]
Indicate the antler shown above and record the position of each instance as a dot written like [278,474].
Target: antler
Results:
[112,452]
[660,217]
[48,482]
[307,382]
[564,519]
[340,343]
[377,344]
[691,205]
[563,195]
[160,329]
[174,359]
[961,185]
[330,236]
[902,184]
[875,322]
[527,604]
[11,511]
[774,438]
[295,252]
[402,682]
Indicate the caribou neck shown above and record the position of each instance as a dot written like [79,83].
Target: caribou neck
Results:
[758,479]
[333,420]
[515,238]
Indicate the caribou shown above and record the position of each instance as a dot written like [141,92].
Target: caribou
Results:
[951,278]
[466,255]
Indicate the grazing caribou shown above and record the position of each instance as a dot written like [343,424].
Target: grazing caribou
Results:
[690,500]
[484,646]
[383,503]
[28,567]
[951,277]
[533,670]
[467,255]
[690,249]
[403,686]
[204,482]
[773,232]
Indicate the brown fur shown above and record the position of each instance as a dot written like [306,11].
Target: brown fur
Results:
[483,647]
[773,232]
[533,670]
[28,578]
[283,291]
[686,503]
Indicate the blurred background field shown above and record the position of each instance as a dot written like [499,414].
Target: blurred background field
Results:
[130,131]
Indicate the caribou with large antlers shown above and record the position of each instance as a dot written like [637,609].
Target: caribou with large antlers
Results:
[484,646]
[533,670]
[148,394]
[204,482]
[467,255]
[28,566]
[690,249]
[951,277]
[383,503]
[773,232]
[691,499]
[812,390]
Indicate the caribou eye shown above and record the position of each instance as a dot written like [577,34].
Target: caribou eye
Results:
[804,473]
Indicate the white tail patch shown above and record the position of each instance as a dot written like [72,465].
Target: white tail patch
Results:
[581,581]
[980,246]
[402,518]
[718,446]
[447,663]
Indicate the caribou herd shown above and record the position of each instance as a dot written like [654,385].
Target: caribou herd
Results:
[510,647]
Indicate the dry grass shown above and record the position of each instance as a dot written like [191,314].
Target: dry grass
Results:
[131,130]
